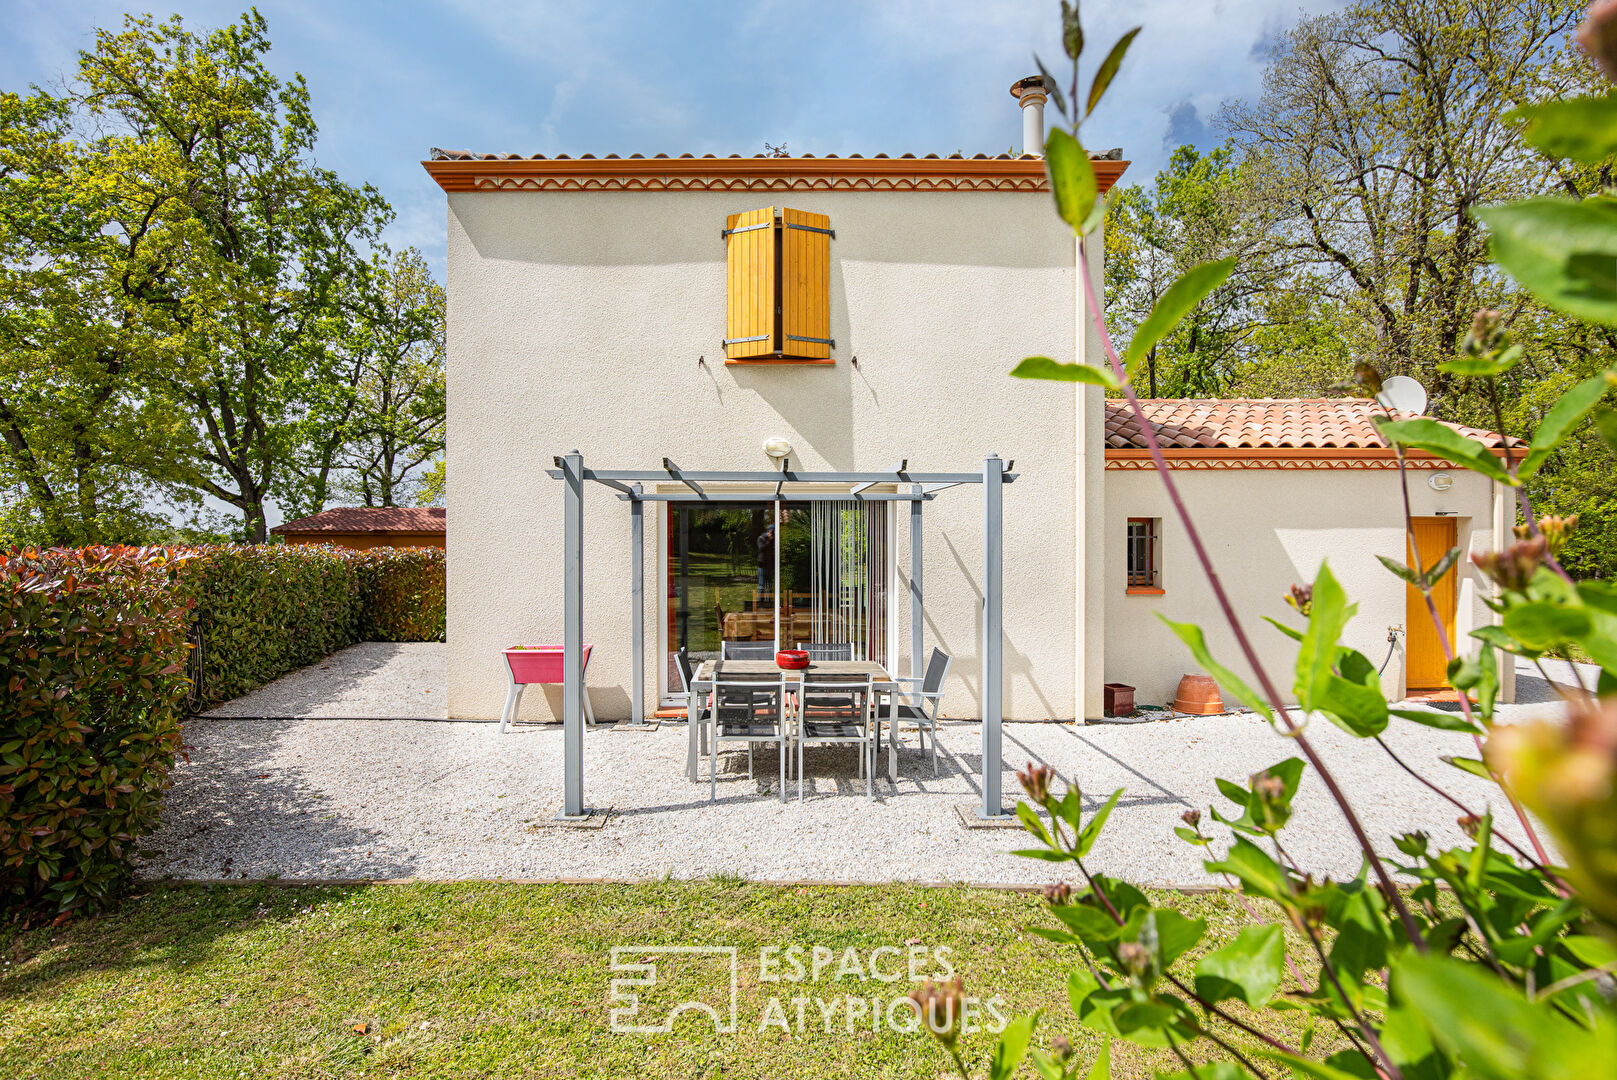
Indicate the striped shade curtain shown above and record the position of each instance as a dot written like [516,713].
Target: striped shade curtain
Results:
[848,575]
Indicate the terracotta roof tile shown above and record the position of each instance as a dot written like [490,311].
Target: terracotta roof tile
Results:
[439,154]
[1262,423]
[428,519]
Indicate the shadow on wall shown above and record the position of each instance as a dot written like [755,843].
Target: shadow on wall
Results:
[526,227]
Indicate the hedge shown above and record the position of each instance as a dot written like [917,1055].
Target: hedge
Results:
[402,594]
[94,642]
[263,611]
[98,651]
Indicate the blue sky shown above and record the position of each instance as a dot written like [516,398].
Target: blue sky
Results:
[390,80]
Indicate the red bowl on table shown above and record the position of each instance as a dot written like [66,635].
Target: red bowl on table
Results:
[792,659]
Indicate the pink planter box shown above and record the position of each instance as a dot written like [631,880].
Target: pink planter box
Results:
[538,663]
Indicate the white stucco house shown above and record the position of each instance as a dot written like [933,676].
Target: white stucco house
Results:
[863,311]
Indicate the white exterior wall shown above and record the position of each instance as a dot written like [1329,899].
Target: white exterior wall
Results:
[1267,529]
[576,320]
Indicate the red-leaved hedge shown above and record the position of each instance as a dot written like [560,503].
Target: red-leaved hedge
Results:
[97,646]
[94,644]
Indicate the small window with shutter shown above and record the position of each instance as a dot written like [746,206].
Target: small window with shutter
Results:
[778,267]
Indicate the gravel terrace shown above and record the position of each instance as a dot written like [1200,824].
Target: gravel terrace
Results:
[322,797]
[380,679]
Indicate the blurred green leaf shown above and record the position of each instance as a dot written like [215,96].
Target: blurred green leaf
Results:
[1470,765]
[1563,416]
[1051,87]
[1291,632]
[1483,366]
[1248,968]
[1072,30]
[1108,69]
[1445,562]
[1499,638]
[1495,1031]
[1254,868]
[1581,129]
[1042,367]
[1177,302]
[1351,699]
[1091,831]
[1308,1067]
[1606,424]
[1563,252]
[1173,934]
[1089,922]
[1072,178]
[1542,625]
[1191,635]
[1443,441]
[1011,1047]
[1102,1068]
[1209,1070]
[1436,718]
[1401,570]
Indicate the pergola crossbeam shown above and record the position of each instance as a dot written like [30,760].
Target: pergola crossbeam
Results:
[790,496]
[689,477]
[672,470]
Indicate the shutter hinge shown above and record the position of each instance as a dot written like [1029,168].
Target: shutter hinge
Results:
[817,340]
[739,340]
[725,233]
[832,233]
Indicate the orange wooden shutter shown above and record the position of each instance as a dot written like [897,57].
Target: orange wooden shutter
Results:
[805,287]
[750,245]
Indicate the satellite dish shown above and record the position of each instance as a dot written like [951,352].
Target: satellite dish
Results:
[1403,394]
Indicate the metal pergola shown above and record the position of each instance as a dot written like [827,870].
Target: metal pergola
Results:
[629,484]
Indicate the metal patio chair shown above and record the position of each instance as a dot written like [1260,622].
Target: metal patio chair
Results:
[753,710]
[830,650]
[827,650]
[924,702]
[853,724]
[746,650]
[687,672]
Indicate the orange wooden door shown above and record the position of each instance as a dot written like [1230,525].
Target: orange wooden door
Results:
[1427,667]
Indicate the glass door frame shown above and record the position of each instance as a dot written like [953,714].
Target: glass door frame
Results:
[667,695]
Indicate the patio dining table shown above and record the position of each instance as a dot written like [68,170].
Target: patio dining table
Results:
[881,682]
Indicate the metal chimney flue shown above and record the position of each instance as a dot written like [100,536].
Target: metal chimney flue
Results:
[1031,95]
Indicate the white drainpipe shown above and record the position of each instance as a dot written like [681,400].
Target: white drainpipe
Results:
[1031,95]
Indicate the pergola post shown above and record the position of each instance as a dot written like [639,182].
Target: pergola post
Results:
[916,615]
[637,612]
[573,637]
[993,634]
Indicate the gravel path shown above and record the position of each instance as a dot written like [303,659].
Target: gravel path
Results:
[381,679]
[328,798]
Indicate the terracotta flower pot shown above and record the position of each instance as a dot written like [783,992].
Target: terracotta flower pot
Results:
[1197,695]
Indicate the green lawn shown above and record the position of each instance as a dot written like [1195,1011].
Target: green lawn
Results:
[506,980]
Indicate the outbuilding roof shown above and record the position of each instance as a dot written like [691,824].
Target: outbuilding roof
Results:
[369,519]
[1258,423]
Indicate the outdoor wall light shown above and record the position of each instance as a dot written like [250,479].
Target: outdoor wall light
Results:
[777,449]
[1440,481]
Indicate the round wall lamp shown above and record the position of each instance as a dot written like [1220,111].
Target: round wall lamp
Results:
[777,449]
[1440,481]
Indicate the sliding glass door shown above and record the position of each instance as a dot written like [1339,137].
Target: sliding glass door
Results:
[776,575]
